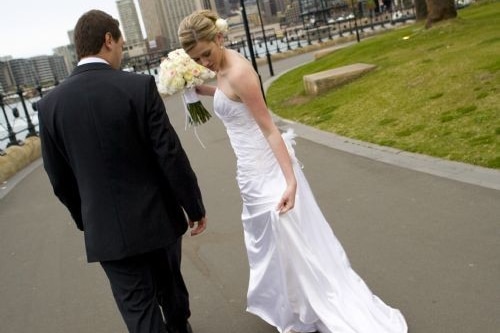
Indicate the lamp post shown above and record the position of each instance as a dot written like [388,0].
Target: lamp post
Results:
[249,44]
[247,33]
[355,21]
[287,34]
[268,55]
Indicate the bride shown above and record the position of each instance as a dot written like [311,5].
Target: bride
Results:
[300,276]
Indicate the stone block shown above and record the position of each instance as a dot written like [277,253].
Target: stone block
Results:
[317,83]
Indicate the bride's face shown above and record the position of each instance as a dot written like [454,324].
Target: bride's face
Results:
[208,54]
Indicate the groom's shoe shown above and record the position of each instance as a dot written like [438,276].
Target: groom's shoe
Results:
[186,328]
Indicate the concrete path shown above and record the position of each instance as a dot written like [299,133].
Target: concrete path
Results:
[426,242]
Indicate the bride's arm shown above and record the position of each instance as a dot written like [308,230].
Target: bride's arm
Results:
[205,90]
[246,85]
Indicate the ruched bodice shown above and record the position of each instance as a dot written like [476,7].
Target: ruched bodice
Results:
[256,164]
[250,146]
[300,276]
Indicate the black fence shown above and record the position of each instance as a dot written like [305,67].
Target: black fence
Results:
[19,116]
[299,36]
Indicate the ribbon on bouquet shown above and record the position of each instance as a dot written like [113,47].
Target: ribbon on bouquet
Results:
[189,96]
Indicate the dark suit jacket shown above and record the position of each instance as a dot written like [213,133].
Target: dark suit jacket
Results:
[116,163]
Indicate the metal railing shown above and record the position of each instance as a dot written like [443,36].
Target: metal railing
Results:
[298,36]
[13,122]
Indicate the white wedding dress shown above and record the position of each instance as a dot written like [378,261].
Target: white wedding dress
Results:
[300,276]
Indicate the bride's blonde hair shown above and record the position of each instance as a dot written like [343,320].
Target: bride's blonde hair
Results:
[202,25]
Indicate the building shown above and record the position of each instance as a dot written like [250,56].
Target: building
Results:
[162,18]
[134,42]
[23,72]
[129,21]
[223,7]
[291,15]
[317,12]
[173,11]
[43,70]
[58,67]
[40,70]
[6,80]
[154,23]
[68,53]
[209,4]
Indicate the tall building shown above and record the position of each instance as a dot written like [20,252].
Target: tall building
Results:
[162,18]
[223,8]
[279,5]
[130,21]
[58,67]
[134,42]
[68,53]
[43,70]
[23,72]
[209,4]
[6,80]
[154,23]
[173,12]
[292,13]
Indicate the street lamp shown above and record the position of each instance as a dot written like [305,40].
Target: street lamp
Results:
[287,34]
[268,55]
[249,37]
[249,44]
[355,21]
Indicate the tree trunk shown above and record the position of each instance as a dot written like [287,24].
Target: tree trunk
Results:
[439,10]
[420,10]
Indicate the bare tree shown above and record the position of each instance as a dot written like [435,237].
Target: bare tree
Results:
[439,10]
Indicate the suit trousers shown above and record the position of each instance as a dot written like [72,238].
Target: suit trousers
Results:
[149,289]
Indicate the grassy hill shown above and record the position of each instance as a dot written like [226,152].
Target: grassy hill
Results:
[435,91]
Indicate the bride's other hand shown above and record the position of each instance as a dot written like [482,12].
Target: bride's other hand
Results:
[287,201]
[205,90]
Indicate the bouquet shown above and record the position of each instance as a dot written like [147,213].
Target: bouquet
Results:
[179,72]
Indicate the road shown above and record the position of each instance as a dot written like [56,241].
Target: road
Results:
[425,244]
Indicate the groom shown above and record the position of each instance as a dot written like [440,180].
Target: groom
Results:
[116,163]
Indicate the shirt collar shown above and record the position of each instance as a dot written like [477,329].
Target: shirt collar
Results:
[88,60]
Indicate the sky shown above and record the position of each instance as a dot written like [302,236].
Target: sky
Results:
[34,27]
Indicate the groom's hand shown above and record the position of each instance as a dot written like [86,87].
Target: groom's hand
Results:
[201,225]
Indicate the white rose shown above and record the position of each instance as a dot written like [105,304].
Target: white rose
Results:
[221,25]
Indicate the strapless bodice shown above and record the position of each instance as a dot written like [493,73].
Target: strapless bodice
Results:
[254,156]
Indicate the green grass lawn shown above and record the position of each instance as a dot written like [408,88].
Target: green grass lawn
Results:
[435,91]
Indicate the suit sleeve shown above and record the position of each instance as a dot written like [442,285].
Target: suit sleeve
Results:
[60,175]
[171,156]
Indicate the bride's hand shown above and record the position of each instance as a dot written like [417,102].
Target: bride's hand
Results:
[205,90]
[287,201]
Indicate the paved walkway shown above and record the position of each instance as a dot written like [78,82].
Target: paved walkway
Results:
[422,232]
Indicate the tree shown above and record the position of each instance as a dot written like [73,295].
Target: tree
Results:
[420,10]
[439,10]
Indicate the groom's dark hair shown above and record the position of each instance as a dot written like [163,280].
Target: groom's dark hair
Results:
[90,32]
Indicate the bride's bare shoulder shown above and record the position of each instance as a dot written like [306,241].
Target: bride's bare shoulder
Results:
[240,67]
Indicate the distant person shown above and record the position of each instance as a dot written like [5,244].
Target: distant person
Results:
[116,163]
[300,276]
